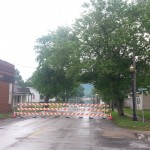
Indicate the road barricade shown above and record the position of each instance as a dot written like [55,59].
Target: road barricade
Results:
[63,109]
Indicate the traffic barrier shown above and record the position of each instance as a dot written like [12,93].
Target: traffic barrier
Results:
[61,104]
[14,115]
[110,117]
[59,114]
[63,109]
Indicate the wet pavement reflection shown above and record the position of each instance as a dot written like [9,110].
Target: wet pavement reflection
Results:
[64,134]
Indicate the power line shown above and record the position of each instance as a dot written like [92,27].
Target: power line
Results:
[24,66]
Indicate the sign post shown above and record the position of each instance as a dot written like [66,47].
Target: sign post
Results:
[142,90]
[142,106]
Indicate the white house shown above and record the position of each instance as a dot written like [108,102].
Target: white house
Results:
[24,95]
[142,101]
[21,95]
[36,96]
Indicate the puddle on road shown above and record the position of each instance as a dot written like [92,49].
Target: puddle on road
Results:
[83,131]
[139,144]
[98,130]
[142,137]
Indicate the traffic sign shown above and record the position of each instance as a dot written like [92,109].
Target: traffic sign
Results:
[142,89]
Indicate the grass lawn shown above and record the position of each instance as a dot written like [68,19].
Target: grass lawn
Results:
[139,113]
[5,116]
[126,122]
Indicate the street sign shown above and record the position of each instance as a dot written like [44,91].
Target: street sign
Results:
[142,89]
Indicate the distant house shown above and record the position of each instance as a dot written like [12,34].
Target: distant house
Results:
[142,102]
[36,96]
[25,95]
[21,95]
[7,73]
[128,102]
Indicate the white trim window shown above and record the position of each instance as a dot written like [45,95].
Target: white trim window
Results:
[10,94]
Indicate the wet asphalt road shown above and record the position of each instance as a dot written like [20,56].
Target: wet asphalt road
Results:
[64,134]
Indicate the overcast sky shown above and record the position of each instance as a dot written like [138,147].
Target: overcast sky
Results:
[23,21]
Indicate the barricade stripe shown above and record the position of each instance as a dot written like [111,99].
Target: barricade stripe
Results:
[62,104]
[64,114]
[63,109]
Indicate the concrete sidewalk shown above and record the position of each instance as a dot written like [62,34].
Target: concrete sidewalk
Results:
[141,135]
[109,129]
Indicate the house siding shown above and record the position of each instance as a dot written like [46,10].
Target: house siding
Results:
[4,97]
[35,96]
[142,102]
[146,102]
[7,72]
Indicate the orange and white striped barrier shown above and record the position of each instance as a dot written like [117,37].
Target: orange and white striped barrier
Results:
[63,109]
[61,104]
[60,114]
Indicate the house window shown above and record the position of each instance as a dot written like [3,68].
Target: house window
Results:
[33,96]
[18,99]
[10,93]
[138,100]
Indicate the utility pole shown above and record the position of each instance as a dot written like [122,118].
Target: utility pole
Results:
[133,71]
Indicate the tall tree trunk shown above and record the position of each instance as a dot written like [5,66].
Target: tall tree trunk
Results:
[46,99]
[112,105]
[119,107]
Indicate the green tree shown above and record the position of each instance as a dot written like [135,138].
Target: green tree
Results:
[109,31]
[18,79]
[28,82]
[47,81]
[80,92]
[56,56]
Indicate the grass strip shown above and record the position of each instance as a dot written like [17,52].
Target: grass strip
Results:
[129,111]
[126,122]
[5,116]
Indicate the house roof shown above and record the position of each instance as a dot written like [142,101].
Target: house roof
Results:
[7,72]
[21,90]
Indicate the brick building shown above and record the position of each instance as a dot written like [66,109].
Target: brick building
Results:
[7,72]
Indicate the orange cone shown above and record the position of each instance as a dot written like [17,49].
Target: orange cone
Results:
[14,115]
[110,117]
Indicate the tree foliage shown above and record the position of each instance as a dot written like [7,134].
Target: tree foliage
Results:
[98,50]
[18,79]
[109,32]
[57,58]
